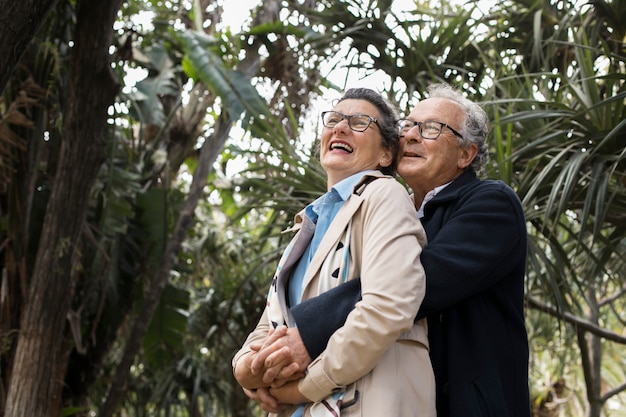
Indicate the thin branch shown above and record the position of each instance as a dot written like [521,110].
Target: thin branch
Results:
[576,321]
[613,297]
[613,392]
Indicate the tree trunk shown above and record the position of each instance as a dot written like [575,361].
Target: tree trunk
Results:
[591,356]
[42,350]
[19,23]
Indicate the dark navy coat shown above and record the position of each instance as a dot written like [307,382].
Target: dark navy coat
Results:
[475,265]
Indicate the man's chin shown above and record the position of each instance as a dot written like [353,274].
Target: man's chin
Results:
[408,165]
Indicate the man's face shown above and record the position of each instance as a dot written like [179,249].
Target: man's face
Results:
[425,163]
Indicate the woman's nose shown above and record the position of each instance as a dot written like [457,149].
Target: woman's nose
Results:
[342,125]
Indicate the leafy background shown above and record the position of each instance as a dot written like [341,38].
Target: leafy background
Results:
[184,176]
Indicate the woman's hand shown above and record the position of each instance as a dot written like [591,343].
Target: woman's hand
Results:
[265,400]
[288,394]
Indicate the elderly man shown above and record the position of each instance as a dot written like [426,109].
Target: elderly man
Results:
[474,262]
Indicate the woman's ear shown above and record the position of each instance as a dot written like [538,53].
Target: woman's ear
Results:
[386,158]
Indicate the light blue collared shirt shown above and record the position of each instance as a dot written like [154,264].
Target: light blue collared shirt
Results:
[322,211]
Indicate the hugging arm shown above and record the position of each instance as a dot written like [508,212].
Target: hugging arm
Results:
[488,231]
[319,327]
[308,341]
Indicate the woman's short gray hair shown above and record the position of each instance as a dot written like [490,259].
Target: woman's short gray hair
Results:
[475,126]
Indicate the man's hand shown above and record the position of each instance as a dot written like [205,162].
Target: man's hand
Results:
[298,355]
[261,350]
[283,356]
[265,400]
[245,375]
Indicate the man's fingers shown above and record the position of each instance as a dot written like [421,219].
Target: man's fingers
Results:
[279,357]
[274,335]
[293,375]
[272,372]
[290,372]
[268,347]
[275,363]
[258,362]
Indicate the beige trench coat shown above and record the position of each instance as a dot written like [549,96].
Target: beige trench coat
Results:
[380,355]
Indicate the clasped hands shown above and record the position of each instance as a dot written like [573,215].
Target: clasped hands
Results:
[270,374]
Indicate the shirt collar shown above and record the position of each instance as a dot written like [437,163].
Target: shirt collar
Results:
[345,187]
[429,196]
[338,192]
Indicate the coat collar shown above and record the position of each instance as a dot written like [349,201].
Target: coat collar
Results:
[452,191]
[339,225]
[357,190]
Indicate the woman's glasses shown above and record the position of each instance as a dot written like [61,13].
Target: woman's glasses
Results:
[357,122]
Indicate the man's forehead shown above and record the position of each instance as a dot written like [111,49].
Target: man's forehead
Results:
[438,102]
[436,106]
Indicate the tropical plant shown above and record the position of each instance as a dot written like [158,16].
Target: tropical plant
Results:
[139,222]
[553,83]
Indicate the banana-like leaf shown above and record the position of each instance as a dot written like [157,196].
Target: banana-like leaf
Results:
[203,63]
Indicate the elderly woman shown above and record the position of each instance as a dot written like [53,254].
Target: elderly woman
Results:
[377,363]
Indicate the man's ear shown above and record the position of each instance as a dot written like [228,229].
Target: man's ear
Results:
[467,155]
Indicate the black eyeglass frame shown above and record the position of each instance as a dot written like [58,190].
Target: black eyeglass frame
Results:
[349,117]
[419,125]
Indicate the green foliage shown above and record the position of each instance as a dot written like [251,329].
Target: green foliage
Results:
[550,74]
[204,64]
[148,108]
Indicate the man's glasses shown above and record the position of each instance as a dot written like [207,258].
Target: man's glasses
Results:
[429,129]
[357,122]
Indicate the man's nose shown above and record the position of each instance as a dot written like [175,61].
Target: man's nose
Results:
[412,135]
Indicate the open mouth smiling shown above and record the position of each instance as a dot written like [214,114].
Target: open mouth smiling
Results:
[341,146]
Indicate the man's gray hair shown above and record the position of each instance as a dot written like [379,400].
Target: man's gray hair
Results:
[475,126]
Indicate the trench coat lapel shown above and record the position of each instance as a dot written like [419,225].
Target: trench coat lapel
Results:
[332,236]
[289,259]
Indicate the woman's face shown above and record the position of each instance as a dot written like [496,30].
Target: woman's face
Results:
[345,152]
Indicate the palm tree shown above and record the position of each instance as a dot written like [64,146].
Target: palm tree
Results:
[558,140]
[168,275]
